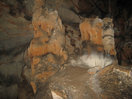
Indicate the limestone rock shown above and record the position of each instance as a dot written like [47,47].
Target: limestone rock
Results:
[71,83]
[66,10]
[75,83]
[46,52]
[48,35]
[91,30]
[68,16]
[115,78]
[100,33]
[108,36]
[73,40]
[14,32]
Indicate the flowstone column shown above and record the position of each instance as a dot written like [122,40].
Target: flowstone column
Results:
[46,53]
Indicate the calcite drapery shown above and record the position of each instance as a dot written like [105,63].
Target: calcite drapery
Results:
[49,33]
[99,32]
[91,30]
[46,46]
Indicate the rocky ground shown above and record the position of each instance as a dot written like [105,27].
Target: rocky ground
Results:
[64,49]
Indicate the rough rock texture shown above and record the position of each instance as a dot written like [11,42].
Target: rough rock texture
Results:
[78,83]
[44,71]
[115,82]
[61,62]
[73,40]
[49,33]
[91,30]
[15,35]
[66,10]
[15,31]
[46,51]
[100,33]
[72,83]
[108,36]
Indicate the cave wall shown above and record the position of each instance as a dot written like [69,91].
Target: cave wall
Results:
[39,38]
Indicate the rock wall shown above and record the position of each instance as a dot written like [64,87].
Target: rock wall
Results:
[51,58]
[15,35]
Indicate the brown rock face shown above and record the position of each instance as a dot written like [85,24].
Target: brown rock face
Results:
[100,33]
[62,63]
[115,82]
[15,34]
[13,30]
[48,35]
[71,83]
[46,51]
[91,30]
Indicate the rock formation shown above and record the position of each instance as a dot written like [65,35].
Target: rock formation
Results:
[15,35]
[46,51]
[108,36]
[100,33]
[65,49]
[91,30]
